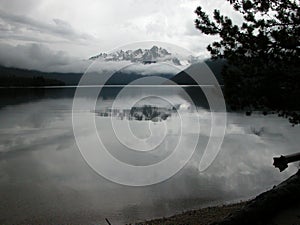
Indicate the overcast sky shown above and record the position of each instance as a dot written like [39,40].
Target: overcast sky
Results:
[55,32]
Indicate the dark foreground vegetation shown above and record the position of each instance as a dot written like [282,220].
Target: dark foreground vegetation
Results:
[262,55]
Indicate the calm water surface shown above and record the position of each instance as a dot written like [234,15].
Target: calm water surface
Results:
[44,179]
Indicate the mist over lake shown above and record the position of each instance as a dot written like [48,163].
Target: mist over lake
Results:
[43,176]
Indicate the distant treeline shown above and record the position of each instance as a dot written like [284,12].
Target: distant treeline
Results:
[24,77]
[216,66]
[36,81]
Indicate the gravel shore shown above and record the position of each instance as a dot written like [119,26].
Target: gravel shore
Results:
[278,206]
[203,216]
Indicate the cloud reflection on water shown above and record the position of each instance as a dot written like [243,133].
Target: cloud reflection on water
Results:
[42,174]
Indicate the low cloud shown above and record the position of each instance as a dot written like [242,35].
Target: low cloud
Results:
[40,57]
[33,56]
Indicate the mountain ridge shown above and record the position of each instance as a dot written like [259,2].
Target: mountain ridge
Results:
[154,54]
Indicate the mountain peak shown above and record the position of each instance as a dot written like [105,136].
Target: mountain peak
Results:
[154,54]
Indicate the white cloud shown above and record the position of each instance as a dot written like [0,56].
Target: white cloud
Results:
[85,28]
[33,56]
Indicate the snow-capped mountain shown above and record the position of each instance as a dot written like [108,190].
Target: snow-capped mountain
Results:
[146,56]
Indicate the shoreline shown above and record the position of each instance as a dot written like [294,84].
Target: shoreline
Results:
[277,206]
[202,216]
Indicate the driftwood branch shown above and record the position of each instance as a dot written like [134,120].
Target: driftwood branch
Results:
[282,162]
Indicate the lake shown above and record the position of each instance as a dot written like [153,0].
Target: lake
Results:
[44,178]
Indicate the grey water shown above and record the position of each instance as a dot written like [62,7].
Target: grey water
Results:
[45,180]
